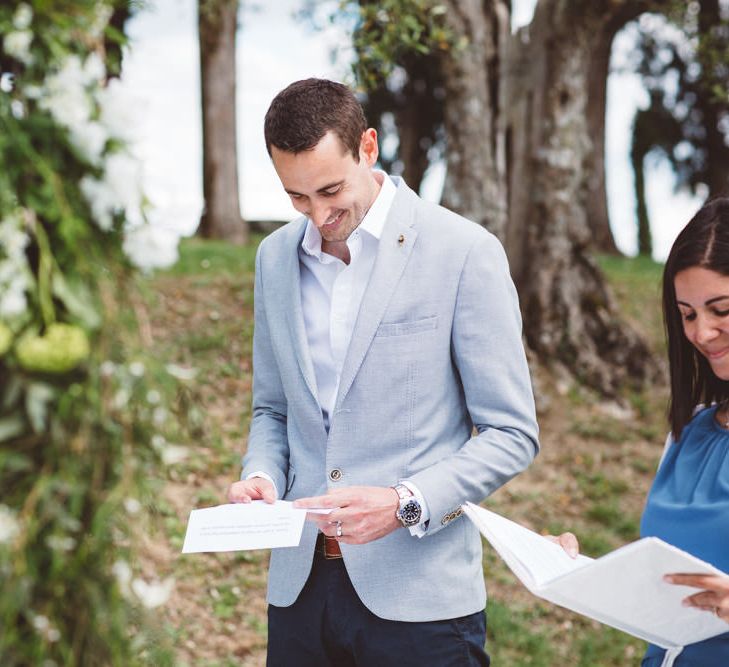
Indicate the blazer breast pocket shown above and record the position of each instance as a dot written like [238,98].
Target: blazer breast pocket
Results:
[408,328]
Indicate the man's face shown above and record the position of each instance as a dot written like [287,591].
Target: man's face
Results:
[328,186]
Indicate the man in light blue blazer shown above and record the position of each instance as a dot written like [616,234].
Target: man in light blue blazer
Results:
[390,385]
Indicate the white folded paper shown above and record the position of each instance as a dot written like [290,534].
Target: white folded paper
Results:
[243,526]
[623,589]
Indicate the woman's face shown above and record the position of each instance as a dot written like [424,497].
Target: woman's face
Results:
[703,299]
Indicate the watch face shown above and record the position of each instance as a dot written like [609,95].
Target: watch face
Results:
[410,513]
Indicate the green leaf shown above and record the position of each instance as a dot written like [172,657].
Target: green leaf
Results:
[37,399]
[77,299]
[11,427]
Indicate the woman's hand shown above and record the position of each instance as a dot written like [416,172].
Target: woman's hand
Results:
[715,594]
[567,541]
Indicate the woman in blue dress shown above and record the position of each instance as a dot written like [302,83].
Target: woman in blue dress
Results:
[688,504]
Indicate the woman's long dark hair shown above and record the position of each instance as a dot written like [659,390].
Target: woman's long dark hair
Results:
[703,242]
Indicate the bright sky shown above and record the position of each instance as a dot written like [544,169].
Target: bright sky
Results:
[161,75]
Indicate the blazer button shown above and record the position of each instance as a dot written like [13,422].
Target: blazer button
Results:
[335,475]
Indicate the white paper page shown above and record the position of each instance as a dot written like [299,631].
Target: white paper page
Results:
[532,557]
[625,589]
[243,526]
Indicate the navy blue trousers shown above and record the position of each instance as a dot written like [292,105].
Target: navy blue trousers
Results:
[328,626]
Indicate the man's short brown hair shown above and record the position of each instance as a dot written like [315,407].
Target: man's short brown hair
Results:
[302,113]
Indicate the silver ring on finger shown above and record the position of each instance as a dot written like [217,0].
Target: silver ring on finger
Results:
[339,533]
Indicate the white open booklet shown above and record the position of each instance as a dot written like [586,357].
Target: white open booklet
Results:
[623,589]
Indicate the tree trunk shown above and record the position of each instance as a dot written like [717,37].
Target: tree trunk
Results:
[475,184]
[645,242]
[221,218]
[713,110]
[570,317]
[597,209]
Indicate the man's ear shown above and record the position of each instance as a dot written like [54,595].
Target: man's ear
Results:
[368,148]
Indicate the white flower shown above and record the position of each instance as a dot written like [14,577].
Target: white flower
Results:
[159,416]
[123,176]
[94,70]
[123,575]
[13,301]
[181,372]
[119,190]
[107,368]
[153,397]
[40,623]
[116,111]
[120,400]
[90,140]
[59,543]
[132,506]
[153,594]
[173,454]
[9,525]
[136,368]
[17,108]
[23,16]
[66,97]
[13,238]
[151,247]
[53,635]
[17,45]
[101,200]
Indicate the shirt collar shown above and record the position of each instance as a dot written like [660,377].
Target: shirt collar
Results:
[373,223]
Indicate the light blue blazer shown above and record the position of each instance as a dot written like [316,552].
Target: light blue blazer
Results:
[435,389]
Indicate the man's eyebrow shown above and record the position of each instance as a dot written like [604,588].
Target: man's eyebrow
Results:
[330,186]
[324,188]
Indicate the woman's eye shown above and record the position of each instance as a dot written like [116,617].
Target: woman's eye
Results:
[688,317]
[721,313]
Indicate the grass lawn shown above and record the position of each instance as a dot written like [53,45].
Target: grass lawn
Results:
[596,465]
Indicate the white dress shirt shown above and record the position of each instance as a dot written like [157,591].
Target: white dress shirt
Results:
[331,295]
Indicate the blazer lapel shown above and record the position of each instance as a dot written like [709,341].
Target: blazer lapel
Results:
[291,297]
[395,245]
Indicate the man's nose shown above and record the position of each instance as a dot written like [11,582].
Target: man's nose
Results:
[319,213]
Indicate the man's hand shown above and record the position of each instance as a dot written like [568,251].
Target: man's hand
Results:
[255,488]
[365,513]
[715,594]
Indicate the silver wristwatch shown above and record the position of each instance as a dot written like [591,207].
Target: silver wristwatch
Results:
[409,511]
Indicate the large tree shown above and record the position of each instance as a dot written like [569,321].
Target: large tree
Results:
[524,126]
[217,27]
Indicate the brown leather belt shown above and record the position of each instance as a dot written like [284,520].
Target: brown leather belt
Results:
[328,547]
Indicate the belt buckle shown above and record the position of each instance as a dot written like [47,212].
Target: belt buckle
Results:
[328,547]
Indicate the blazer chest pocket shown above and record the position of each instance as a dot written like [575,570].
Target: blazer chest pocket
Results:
[408,328]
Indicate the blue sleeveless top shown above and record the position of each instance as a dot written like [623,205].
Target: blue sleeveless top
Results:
[688,506]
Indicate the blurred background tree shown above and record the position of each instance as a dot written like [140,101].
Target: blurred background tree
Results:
[217,28]
[683,60]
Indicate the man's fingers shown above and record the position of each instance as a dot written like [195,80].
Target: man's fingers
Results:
[317,502]
[239,498]
[255,488]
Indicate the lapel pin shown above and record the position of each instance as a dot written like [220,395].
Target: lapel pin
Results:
[400,239]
